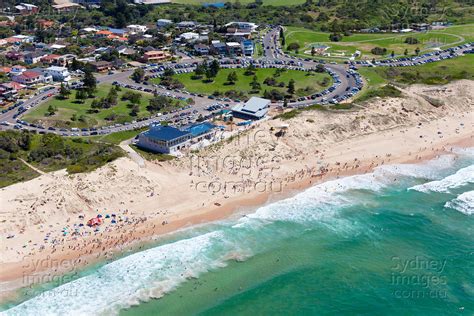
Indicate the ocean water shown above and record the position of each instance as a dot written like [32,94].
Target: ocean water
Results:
[397,241]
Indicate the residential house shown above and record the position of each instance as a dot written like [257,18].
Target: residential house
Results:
[5,70]
[254,109]
[66,7]
[17,70]
[155,56]
[58,73]
[64,60]
[201,49]
[50,59]
[13,55]
[248,26]
[234,48]
[134,28]
[218,48]
[101,65]
[188,37]
[186,25]
[163,23]
[31,77]
[27,9]
[34,57]
[9,90]
[247,47]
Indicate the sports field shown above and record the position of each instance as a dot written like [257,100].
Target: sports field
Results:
[364,43]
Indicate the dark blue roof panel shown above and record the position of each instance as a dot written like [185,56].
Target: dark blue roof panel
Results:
[165,133]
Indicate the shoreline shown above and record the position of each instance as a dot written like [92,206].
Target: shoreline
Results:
[163,198]
[246,205]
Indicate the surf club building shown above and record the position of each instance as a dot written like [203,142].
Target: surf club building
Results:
[254,109]
[170,140]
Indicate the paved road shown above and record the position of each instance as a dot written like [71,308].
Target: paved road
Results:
[346,83]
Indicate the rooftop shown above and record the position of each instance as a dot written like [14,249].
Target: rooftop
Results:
[165,133]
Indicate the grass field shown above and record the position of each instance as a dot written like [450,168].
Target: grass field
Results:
[302,79]
[67,108]
[265,2]
[116,138]
[364,43]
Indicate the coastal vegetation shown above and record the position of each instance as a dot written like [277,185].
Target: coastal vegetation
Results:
[49,152]
[268,82]
[109,105]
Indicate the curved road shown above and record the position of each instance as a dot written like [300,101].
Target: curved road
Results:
[347,82]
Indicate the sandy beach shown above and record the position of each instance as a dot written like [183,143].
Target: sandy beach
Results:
[42,221]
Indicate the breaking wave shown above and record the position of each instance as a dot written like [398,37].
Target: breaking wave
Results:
[154,272]
[464,203]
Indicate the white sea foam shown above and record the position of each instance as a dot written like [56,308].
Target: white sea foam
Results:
[129,280]
[462,177]
[464,152]
[155,272]
[464,203]
[427,170]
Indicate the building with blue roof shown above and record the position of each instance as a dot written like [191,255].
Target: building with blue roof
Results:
[169,139]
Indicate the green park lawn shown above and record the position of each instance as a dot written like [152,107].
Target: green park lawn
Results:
[303,80]
[67,108]
[364,43]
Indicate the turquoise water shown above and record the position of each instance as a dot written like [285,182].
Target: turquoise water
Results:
[398,241]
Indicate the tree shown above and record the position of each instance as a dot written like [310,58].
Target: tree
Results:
[250,70]
[255,84]
[169,72]
[291,86]
[89,82]
[95,104]
[51,110]
[157,103]
[378,51]
[111,98]
[313,51]
[232,77]
[335,37]
[214,67]
[133,97]
[392,54]
[200,70]
[81,95]
[285,103]
[138,75]
[320,68]
[411,40]
[74,117]
[294,46]
[135,110]
[417,51]
[405,52]
[64,92]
